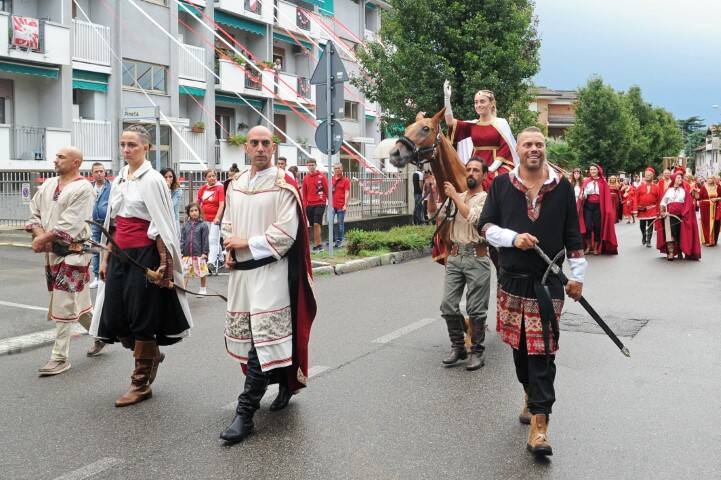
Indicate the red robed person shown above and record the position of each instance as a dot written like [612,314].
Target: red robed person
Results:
[677,230]
[599,217]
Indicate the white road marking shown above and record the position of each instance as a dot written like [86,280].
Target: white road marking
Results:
[32,340]
[405,330]
[22,305]
[91,470]
[273,389]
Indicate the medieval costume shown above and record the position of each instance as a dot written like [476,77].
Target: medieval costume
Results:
[599,216]
[129,308]
[615,191]
[527,311]
[492,141]
[709,196]
[677,233]
[270,298]
[467,267]
[647,198]
[63,211]
[628,195]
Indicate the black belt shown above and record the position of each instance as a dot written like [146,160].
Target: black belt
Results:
[545,305]
[253,264]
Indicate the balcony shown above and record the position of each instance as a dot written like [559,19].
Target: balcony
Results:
[371,36]
[90,43]
[293,88]
[192,63]
[94,139]
[258,10]
[555,119]
[196,142]
[293,18]
[296,156]
[244,79]
[53,43]
[22,146]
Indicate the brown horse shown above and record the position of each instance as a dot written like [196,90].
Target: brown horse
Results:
[424,143]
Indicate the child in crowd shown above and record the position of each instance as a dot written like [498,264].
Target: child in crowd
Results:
[194,247]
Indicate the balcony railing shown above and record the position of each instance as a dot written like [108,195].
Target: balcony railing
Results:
[192,63]
[561,119]
[90,43]
[292,17]
[93,138]
[53,43]
[196,142]
[253,79]
[291,87]
[255,9]
[27,143]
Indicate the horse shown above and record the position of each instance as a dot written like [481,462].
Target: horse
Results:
[424,143]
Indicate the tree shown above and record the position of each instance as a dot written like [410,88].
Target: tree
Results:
[694,134]
[475,44]
[606,130]
[560,152]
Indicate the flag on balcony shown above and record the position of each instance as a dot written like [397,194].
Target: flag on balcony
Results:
[26,32]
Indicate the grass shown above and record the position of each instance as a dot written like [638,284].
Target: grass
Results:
[410,237]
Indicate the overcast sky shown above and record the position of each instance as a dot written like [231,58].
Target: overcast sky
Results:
[671,49]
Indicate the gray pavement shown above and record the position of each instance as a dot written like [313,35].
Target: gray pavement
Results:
[386,410]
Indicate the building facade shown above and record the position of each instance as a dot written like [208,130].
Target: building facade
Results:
[708,155]
[76,72]
[556,109]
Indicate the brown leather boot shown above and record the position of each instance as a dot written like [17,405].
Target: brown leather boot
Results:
[145,354]
[538,435]
[157,360]
[525,416]
[669,251]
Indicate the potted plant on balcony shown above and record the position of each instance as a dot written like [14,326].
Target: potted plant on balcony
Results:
[277,140]
[237,140]
[198,127]
[265,65]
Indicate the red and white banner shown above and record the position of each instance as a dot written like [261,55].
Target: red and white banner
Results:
[26,32]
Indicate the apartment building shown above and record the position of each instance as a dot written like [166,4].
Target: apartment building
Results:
[708,156]
[61,84]
[556,109]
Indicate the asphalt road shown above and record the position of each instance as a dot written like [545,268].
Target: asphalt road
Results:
[382,406]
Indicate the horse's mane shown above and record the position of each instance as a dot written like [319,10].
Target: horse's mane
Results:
[448,168]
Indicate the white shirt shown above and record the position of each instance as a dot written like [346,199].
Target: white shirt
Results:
[673,195]
[504,237]
[127,201]
[591,188]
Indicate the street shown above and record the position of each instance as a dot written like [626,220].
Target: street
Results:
[380,405]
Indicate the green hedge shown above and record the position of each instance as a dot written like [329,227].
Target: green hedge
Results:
[411,237]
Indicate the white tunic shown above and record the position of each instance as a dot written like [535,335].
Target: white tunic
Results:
[673,195]
[259,312]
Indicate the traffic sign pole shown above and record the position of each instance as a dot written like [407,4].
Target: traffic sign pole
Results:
[329,134]
[157,138]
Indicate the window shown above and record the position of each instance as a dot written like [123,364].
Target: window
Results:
[253,6]
[351,111]
[145,76]
[2,110]
[163,146]
[223,122]
[6,5]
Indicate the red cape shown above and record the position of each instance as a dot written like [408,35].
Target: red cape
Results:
[690,243]
[302,300]
[609,244]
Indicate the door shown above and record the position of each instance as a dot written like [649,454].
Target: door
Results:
[280,124]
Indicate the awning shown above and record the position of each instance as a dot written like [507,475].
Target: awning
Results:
[194,10]
[25,69]
[237,101]
[370,116]
[194,91]
[95,81]
[281,108]
[288,39]
[326,7]
[241,23]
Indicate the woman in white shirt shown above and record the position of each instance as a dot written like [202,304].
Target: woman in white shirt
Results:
[678,232]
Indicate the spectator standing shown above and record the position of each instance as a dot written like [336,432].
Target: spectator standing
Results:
[211,198]
[341,193]
[100,209]
[175,193]
[315,198]
[282,163]
[194,247]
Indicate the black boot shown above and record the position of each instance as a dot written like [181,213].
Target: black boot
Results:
[455,333]
[283,398]
[478,335]
[256,383]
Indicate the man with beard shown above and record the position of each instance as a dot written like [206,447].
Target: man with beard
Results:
[467,266]
[530,206]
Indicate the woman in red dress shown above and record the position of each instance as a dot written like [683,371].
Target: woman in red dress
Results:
[597,221]
[628,194]
[709,196]
[614,186]
[677,232]
[489,137]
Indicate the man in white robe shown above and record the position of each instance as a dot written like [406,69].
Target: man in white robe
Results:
[261,223]
[59,210]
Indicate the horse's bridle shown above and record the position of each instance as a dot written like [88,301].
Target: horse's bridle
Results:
[420,155]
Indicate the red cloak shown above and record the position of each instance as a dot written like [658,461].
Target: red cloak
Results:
[629,202]
[710,214]
[609,244]
[689,243]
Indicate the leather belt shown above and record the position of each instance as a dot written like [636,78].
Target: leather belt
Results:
[253,264]
[469,249]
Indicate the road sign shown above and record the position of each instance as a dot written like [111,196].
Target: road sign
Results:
[138,113]
[337,102]
[337,69]
[321,137]
[25,192]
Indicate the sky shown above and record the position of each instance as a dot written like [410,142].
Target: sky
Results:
[671,49]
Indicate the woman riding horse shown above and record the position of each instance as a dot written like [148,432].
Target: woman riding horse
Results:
[489,137]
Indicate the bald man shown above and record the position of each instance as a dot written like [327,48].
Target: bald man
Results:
[270,300]
[59,210]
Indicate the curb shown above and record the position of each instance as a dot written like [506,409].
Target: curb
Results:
[13,244]
[372,262]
